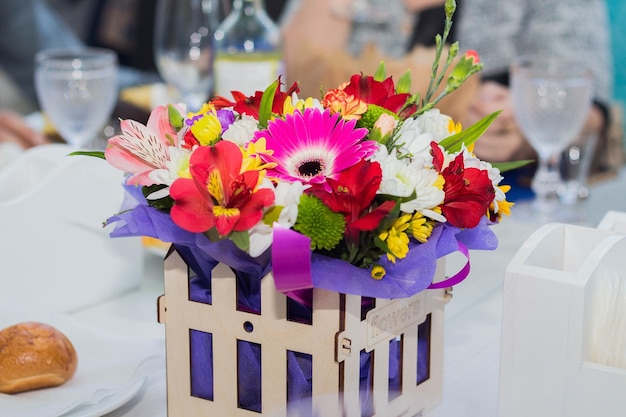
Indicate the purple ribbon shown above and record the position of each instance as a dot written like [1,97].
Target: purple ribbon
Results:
[296,270]
[291,264]
[459,276]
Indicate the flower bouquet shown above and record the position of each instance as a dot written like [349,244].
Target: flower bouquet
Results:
[358,191]
[368,182]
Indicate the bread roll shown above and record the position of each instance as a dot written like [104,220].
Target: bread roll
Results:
[34,355]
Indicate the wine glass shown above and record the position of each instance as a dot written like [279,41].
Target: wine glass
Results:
[551,99]
[77,89]
[183,47]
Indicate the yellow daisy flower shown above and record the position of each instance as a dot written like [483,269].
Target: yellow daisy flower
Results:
[421,227]
[289,106]
[252,156]
[502,206]
[396,238]
[207,129]
[378,272]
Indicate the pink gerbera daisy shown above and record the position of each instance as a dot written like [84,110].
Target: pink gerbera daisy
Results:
[312,146]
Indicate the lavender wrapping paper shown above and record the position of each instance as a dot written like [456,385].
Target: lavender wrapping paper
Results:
[403,279]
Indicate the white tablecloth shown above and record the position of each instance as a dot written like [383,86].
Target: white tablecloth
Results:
[472,328]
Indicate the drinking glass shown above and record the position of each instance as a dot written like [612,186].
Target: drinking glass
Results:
[551,99]
[575,166]
[183,47]
[77,89]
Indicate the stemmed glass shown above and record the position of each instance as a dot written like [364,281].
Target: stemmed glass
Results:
[77,89]
[551,99]
[183,47]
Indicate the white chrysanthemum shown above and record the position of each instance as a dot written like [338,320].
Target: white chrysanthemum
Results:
[404,177]
[397,176]
[428,194]
[471,161]
[415,135]
[287,197]
[242,131]
[176,167]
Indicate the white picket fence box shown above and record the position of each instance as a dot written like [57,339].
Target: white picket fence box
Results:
[332,343]
[553,321]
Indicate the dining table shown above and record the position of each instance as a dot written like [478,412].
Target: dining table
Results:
[473,317]
[472,325]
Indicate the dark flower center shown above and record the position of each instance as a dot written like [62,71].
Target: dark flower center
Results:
[309,169]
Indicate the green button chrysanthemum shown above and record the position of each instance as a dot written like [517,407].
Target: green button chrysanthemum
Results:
[317,221]
[371,116]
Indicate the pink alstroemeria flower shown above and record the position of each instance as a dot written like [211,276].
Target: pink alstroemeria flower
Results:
[140,149]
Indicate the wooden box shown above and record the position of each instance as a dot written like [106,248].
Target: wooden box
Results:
[562,291]
[359,356]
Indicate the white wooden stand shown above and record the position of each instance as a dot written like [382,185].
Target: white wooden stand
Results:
[334,339]
[546,368]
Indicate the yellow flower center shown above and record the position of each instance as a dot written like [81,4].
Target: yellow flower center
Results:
[219,211]
[216,188]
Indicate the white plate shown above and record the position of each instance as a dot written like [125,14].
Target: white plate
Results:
[106,400]
[111,370]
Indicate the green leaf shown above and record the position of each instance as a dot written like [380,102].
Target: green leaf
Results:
[397,199]
[241,239]
[176,119]
[95,154]
[272,215]
[404,83]
[381,245]
[508,166]
[468,136]
[163,204]
[381,72]
[267,101]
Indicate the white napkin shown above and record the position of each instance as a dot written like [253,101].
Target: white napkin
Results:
[111,369]
[9,152]
[56,254]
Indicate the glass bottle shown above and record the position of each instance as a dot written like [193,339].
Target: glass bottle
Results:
[248,50]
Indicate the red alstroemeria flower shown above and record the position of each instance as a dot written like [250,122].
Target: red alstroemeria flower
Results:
[468,191]
[352,194]
[380,93]
[250,105]
[218,194]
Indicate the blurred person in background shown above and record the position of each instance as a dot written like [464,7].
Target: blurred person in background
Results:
[539,28]
[318,37]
